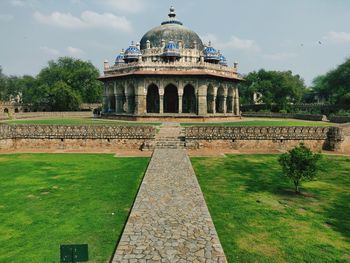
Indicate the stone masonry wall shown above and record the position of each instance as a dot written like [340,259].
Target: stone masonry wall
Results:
[74,136]
[263,138]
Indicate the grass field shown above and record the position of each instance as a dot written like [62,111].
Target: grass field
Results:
[260,219]
[72,121]
[52,199]
[263,122]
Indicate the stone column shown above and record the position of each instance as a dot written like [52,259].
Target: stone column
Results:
[202,100]
[237,102]
[115,96]
[140,100]
[180,94]
[214,99]
[161,98]
[233,103]
[224,104]
[126,105]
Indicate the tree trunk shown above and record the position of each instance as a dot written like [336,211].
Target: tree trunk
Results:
[296,184]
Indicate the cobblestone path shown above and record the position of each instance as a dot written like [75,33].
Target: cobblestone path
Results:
[169,221]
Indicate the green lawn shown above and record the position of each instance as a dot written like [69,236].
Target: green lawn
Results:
[52,199]
[260,219]
[263,122]
[72,121]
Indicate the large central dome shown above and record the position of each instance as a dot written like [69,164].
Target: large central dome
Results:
[171,30]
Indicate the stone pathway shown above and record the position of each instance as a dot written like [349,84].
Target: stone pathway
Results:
[169,221]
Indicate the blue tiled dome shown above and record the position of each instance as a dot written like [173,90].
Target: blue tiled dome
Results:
[223,60]
[171,45]
[171,50]
[211,54]
[132,53]
[120,58]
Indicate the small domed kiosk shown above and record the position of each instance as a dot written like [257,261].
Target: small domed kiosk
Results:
[170,73]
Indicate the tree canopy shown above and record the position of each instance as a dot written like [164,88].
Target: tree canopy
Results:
[77,80]
[80,75]
[334,87]
[300,163]
[278,87]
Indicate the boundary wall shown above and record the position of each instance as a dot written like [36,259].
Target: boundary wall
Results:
[74,137]
[265,138]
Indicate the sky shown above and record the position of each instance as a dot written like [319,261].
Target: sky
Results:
[308,37]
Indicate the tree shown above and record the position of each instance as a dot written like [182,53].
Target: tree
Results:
[10,87]
[334,85]
[276,87]
[300,163]
[80,75]
[62,97]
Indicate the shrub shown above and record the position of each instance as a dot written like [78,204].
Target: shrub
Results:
[300,163]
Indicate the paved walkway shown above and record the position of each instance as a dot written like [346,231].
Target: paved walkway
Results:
[170,221]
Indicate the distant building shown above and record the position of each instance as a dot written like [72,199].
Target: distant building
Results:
[170,73]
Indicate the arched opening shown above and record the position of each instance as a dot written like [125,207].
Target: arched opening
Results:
[112,103]
[26,110]
[189,100]
[219,103]
[130,108]
[6,110]
[16,110]
[171,99]
[210,99]
[229,101]
[120,100]
[152,99]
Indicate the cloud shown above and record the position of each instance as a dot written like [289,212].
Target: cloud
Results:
[87,19]
[50,51]
[279,56]
[75,52]
[233,43]
[6,18]
[338,37]
[129,6]
[18,3]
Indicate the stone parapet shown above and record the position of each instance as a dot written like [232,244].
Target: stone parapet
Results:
[257,133]
[264,138]
[76,132]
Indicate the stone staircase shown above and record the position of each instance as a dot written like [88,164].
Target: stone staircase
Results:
[170,136]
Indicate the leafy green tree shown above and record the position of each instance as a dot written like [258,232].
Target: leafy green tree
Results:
[31,91]
[299,164]
[80,75]
[333,86]
[62,97]
[277,87]
[10,86]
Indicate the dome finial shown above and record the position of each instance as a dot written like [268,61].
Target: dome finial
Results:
[172,13]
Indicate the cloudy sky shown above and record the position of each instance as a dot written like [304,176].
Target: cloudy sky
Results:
[308,37]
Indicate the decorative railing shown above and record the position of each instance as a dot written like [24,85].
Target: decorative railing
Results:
[262,133]
[174,66]
[76,132]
